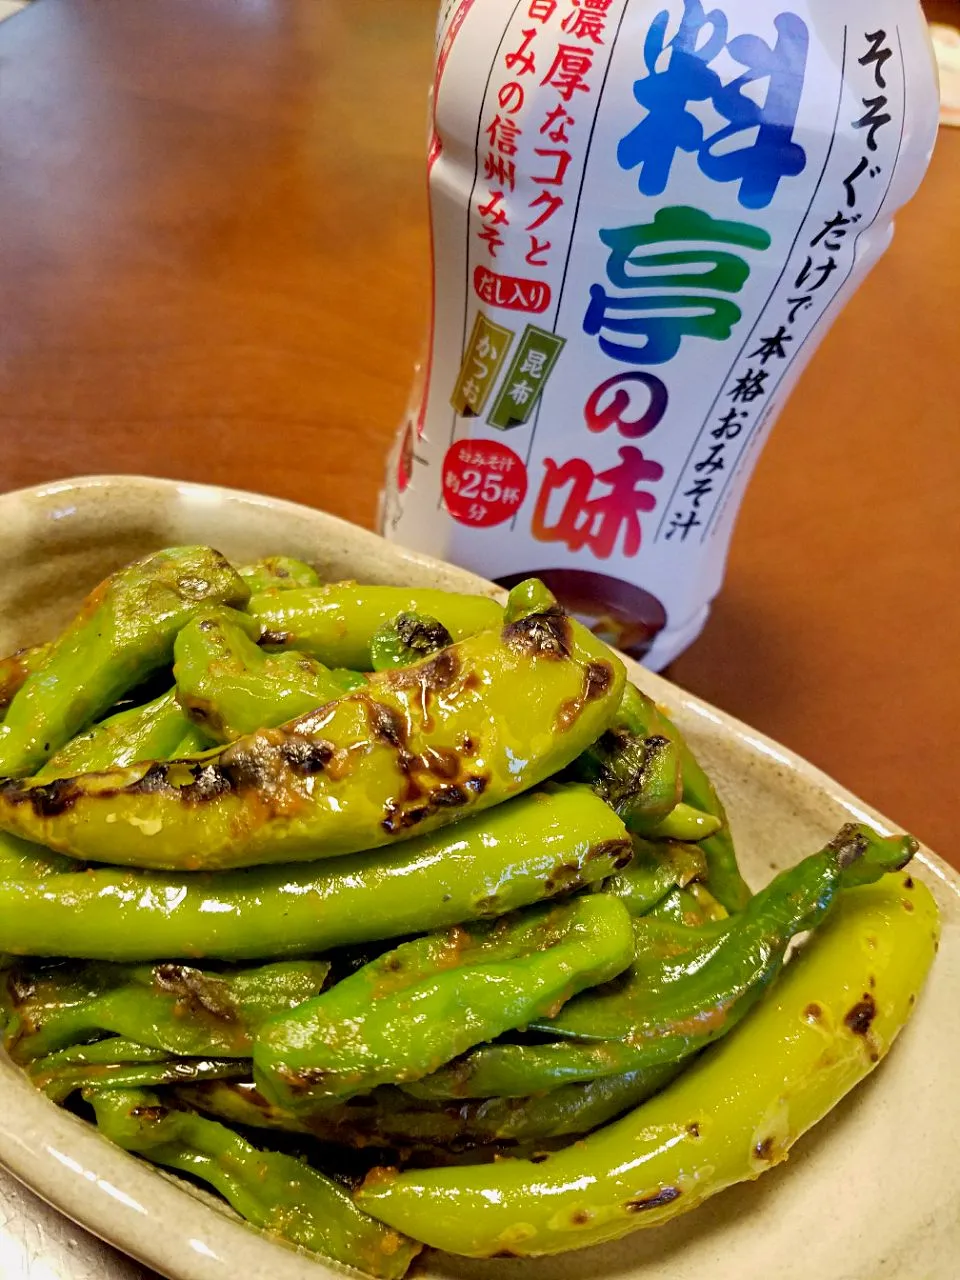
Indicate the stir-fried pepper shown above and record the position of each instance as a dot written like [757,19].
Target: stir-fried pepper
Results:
[686,987]
[337,623]
[494,929]
[275,1191]
[536,846]
[413,1009]
[124,631]
[229,686]
[729,1117]
[174,1007]
[415,749]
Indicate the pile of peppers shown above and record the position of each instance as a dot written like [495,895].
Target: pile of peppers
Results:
[401,918]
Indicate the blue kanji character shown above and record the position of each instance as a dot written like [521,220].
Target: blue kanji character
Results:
[669,126]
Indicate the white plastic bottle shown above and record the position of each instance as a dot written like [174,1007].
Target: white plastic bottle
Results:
[644,217]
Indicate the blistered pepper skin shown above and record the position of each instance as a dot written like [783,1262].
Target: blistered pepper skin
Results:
[407,1013]
[416,749]
[230,687]
[175,1007]
[639,715]
[686,987]
[278,573]
[124,631]
[336,623]
[656,869]
[153,731]
[527,849]
[59,1082]
[388,1117]
[407,638]
[277,1192]
[732,1115]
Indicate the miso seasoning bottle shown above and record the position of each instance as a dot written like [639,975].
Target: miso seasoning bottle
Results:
[645,214]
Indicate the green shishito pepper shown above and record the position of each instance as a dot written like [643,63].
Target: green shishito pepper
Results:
[169,1006]
[415,749]
[337,623]
[388,1117]
[407,638]
[641,717]
[58,1078]
[21,860]
[657,868]
[410,1011]
[124,631]
[229,686]
[278,573]
[153,731]
[686,987]
[529,848]
[732,1115]
[277,1192]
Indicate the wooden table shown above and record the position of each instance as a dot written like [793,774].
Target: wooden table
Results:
[213,266]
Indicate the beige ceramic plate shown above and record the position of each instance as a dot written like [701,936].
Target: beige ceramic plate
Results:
[873,1193]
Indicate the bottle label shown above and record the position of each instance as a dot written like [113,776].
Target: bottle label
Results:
[644,216]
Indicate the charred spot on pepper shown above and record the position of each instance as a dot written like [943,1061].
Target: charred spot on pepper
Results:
[197,990]
[303,1079]
[48,800]
[422,634]
[386,724]
[21,986]
[202,713]
[422,797]
[489,906]
[693,1129]
[598,679]
[450,797]
[209,783]
[860,1017]
[619,851]
[545,635]
[908,882]
[441,761]
[563,878]
[151,1114]
[397,818]
[438,672]
[849,845]
[307,756]
[763,1150]
[640,1204]
[813,1013]
[579,1218]
[274,639]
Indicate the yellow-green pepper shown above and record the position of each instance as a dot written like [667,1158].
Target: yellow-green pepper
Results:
[415,749]
[336,623]
[732,1115]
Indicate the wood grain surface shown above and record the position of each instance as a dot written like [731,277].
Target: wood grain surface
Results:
[213,266]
